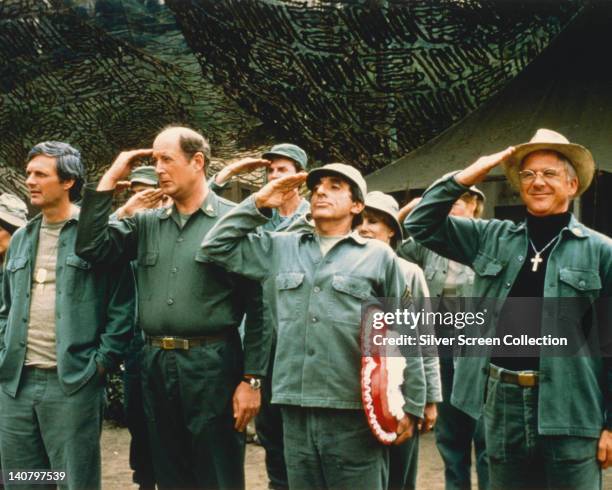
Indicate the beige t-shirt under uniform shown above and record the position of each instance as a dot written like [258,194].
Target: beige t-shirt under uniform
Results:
[41,350]
[327,242]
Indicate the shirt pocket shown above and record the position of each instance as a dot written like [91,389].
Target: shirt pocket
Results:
[16,263]
[147,260]
[18,277]
[77,271]
[578,290]
[487,266]
[348,295]
[290,299]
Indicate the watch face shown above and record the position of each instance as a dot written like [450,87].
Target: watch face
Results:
[255,383]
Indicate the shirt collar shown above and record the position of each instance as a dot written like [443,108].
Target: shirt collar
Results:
[210,207]
[74,217]
[574,227]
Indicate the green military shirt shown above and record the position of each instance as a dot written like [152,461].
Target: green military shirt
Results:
[574,392]
[415,280]
[94,309]
[435,268]
[318,306]
[178,293]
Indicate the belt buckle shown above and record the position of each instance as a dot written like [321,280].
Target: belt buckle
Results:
[527,379]
[168,343]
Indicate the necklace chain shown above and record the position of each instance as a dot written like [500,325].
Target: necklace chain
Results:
[537,259]
[539,252]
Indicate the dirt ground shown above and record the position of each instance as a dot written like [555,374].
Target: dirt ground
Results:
[116,474]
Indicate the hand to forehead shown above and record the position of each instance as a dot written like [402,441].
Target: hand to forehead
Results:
[274,193]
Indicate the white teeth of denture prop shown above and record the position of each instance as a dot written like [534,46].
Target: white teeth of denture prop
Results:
[382,376]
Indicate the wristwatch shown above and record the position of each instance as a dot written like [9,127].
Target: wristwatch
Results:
[254,383]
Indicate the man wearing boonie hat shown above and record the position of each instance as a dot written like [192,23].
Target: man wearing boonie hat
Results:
[547,420]
[13,215]
[380,222]
[279,161]
[456,432]
[321,278]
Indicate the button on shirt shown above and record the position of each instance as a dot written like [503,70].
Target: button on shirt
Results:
[318,355]
[575,392]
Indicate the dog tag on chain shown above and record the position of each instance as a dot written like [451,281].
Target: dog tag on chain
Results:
[41,275]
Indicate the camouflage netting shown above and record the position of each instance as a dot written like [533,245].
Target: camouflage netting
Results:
[362,82]
[65,75]
[365,82]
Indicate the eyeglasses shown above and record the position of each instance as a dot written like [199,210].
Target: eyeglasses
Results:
[548,174]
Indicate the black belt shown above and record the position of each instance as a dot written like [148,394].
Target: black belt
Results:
[184,343]
[521,378]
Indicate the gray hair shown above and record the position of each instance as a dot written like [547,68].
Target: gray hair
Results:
[68,163]
[569,168]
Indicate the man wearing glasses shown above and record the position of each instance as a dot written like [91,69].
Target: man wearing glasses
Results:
[548,419]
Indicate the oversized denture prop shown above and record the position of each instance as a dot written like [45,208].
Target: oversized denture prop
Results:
[382,376]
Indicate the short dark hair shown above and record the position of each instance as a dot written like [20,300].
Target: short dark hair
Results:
[388,221]
[68,163]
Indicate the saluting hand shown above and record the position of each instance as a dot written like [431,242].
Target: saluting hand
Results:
[275,193]
[240,167]
[480,168]
[145,199]
[121,168]
[246,403]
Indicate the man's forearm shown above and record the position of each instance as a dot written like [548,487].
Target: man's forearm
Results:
[94,242]
[258,333]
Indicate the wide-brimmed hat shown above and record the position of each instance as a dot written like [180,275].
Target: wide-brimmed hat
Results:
[379,201]
[546,139]
[13,211]
[144,175]
[288,150]
[341,169]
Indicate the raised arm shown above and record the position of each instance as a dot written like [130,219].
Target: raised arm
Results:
[97,241]
[429,223]
[233,243]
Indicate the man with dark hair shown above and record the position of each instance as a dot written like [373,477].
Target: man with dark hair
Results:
[63,324]
[321,278]
[547,418]
[281,160]
[199,389]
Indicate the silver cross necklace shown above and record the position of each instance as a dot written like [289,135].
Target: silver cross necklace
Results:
[537,260]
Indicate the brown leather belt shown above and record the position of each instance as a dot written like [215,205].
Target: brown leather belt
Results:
[184,343]
[526,379]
